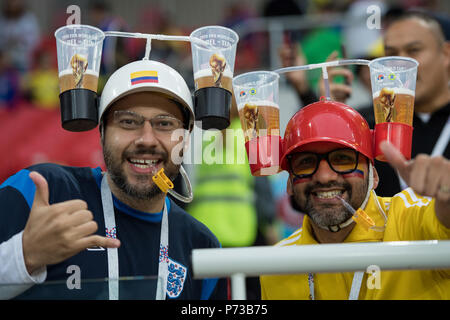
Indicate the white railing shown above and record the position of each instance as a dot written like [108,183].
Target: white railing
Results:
[239,263]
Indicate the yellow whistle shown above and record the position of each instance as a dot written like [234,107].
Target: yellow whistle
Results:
[363,219]
[161,180]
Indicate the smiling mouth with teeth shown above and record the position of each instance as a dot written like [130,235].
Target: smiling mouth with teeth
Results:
[328,194]
[144,163]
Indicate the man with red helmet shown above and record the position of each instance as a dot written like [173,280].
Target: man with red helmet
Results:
[327,150]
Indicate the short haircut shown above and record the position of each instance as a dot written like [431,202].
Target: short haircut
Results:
[430,20]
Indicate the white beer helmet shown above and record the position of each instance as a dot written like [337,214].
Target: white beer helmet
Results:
[147,75]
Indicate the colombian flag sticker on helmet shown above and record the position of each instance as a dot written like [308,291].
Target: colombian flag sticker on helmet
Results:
[150,76]
[144,77]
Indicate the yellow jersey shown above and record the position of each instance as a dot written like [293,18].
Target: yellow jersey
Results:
[410,217]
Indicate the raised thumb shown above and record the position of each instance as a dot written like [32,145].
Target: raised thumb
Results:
[41,195]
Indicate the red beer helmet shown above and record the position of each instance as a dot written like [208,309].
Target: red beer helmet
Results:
[327,121]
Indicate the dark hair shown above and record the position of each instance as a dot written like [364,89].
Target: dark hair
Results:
[184,111]
[394,16]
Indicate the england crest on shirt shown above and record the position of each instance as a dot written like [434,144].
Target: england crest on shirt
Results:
[176,278]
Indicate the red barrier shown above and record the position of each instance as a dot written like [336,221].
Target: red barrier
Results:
[29,135]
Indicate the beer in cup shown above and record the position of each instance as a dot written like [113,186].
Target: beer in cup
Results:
[86,80]
[257,101]
[213,64]
[79,49]
[393,82]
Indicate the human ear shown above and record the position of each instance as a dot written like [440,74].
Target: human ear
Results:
[376,178]
[289,186]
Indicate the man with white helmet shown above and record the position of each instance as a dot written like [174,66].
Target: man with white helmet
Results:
[57,217]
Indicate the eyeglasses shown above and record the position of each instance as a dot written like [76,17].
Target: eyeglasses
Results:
[305,164]
[130,120]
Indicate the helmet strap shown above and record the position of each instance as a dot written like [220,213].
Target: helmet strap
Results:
[369,186]
[189,197]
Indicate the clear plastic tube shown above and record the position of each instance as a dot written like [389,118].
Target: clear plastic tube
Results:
[353,212]
[166,186]
[324,64]
[150,37]
[158,37]
[190,196]
[145,35]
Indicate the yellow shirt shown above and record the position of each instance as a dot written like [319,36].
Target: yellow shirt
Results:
[410,217]
[44,87]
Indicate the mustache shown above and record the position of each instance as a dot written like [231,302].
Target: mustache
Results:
[145,151]
[344,185]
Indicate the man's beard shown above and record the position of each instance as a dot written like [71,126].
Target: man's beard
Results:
[144,188]
[329,215]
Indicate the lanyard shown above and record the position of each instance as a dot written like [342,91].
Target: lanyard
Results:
[112,253]
[438,149]
[354,291]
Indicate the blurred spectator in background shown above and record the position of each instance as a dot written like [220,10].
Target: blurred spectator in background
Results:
[9,83]
[41,83]
[252,45]
[155,20]
[116,50]
[283,9]
[278,8]
[316,45]
[319,43]
[419,36]
[19,34]
[359,39]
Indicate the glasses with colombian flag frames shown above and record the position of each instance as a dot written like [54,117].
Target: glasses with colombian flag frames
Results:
[305,164]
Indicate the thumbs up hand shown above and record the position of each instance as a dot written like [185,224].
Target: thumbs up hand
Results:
[56,232]
[426,175]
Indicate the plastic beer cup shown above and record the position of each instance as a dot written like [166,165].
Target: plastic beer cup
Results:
[257,101]
[393,82]
[213,65]
[79,51]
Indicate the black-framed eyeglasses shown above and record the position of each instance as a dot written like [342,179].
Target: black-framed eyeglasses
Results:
[130,120]
[305,164]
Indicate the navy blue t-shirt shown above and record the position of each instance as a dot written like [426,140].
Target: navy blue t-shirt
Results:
[138,232]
